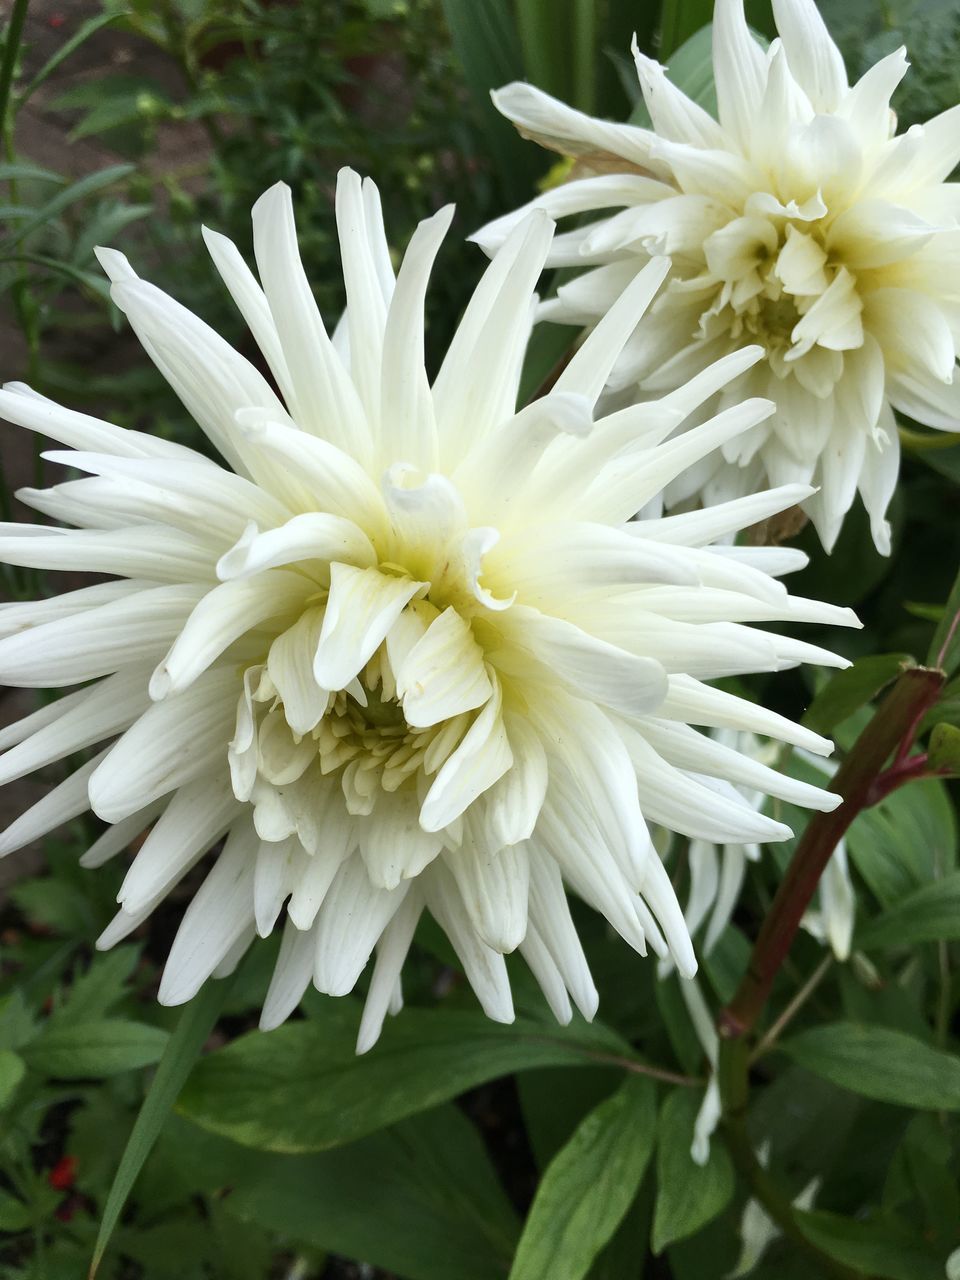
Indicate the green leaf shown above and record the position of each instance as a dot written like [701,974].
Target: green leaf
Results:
[94,1049]
[302,1088]
[421,1199]
[943,751]
[76,275]
[76,191]
[17,171]
[688,1195]
[930,914]
[14,1214]
[945,646]
[182,1050]
[589,1186]
[79,37]
[906,841]
[882,1248]
[849,690]
[94,993]
[880,1063]
[12,1068]
[920,1185]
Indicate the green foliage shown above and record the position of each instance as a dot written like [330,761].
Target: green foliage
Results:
[302,1088]
[589,1186]
[880,1063]
[689,1195]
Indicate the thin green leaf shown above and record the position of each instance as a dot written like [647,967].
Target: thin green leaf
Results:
[849,690]
[16,171]
[688,1195]
[76,275]
[931,914]
[183,1048]
[301,1088]
[79,37]
[12,35]
[589,1186]
[69,195]
[880,1063]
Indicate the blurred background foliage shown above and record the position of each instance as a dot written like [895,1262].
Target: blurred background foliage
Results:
[287,1158]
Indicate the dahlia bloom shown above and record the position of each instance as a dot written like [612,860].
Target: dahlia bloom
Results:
[798,221]
[403,647]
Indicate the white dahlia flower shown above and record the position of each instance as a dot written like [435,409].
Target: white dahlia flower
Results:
[403,648]
[798,221]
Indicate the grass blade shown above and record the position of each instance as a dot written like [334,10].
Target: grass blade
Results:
[183,1049]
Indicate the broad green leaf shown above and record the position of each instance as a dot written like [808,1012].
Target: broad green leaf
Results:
[66,197]
[884,1248]
[849,690]
[420,1199]
[182,1050]
[12,1068]
[302,1088]
[930,914]
[688,1195]
[589,1186]
[880,1063]
[943,751]
[906,841]
[94,1049]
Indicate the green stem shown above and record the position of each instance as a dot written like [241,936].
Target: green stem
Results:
[856,780]
[11,47]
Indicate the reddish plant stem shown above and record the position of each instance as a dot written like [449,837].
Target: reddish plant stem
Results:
[861,781]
